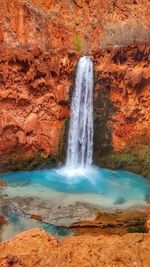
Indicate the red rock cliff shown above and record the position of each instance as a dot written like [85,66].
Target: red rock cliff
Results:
[122,107]
[58,23]
[35,104]
[34,99]
[37,64]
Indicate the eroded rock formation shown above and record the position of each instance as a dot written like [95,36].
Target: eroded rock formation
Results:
[66,23]
[37,248]
[34,99]
[122,108]
[35,93]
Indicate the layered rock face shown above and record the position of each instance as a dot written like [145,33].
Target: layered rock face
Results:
[122,108]
[66,23]
[37,248]
[34,102]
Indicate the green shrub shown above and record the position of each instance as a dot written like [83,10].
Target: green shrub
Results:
[78,43]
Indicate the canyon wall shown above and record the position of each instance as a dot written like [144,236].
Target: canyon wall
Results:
[122,108]
[40,44]
[35,96]
[34,102]
[73,24]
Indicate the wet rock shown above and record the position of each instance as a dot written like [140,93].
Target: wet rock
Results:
[2,184]
[36,217]
[119,201]
[116,222]
[81,217]
[48,211]
[2,220]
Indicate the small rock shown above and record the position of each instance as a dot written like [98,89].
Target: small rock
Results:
[2,184]
[120,201]
[2,220]
[148,219]
[36,217]
[21,137]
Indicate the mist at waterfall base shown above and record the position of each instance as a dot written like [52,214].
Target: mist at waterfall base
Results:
[93,185]
[78,181]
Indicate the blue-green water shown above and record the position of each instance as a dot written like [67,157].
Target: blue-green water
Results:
[103,188]
[17,224]
[113,184]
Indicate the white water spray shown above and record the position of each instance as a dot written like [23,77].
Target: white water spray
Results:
[80,139]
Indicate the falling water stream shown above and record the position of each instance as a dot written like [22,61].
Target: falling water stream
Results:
[80,140]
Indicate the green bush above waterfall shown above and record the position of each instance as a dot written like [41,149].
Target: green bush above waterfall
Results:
[78,43]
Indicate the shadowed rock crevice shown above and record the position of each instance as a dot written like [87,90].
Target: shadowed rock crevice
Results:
[102,112]
[121,109]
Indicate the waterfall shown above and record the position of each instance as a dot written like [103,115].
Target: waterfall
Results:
[80,139]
